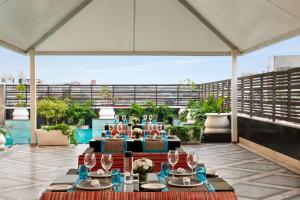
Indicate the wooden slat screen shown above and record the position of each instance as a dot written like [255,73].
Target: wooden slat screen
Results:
[274,95]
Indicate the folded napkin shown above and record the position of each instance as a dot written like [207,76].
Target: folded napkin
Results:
[181,171]
[95,183]
[100,172]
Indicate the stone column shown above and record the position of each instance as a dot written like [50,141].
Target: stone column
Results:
[2,104]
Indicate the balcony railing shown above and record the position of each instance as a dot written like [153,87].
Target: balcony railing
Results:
[273,95]
[120,95]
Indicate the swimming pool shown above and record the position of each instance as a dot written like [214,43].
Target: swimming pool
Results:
[22,136]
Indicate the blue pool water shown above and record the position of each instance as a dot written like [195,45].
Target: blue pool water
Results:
[22,136]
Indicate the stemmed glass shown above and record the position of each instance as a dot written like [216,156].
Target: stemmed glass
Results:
[116,119]
[192,161]
[106,162]
[144,118]
[111,128]
[90,162]
[173,158]
[159,127]
[150,117]
[149,128]
[119,128]
[123,118]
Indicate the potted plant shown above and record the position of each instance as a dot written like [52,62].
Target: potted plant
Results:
[4,132]
[54,110]
[166,114]
[106,112]
[187,111]
[78,114]
[20,110]
[212,114]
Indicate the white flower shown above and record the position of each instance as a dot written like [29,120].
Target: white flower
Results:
[149,162]
[145,166]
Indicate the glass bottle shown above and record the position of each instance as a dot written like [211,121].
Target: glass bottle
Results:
[128,171]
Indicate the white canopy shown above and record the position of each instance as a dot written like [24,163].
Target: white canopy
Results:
[150,27]
[145,27]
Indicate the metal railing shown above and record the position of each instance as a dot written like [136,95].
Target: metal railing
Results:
[120,95]
[273,95]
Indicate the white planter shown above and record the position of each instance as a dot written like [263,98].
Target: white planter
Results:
[20,113]
[2,140]
[52,137]
[217,123]
[106,113]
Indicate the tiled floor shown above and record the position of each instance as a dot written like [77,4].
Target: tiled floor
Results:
[26,171]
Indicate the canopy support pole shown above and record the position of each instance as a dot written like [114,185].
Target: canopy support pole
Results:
[234,91]
[32,97]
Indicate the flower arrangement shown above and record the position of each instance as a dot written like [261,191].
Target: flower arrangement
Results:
[135,120]
[143,166]
[137,132]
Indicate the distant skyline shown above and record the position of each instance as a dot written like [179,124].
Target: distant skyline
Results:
[142,69]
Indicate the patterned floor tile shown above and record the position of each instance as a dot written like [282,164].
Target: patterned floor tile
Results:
[234,174]
[26,171]
[280,180]
[258,166]
[256,192]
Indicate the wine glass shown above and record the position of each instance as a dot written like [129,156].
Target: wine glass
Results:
[111,128]
[149,128]
[192,161]
[90,162]
[150,118]
[106,162]
[145,118]
[116,119]
[173,158]
[119,127]
[123,118]
[159,127]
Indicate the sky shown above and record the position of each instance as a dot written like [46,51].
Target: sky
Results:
[142,69]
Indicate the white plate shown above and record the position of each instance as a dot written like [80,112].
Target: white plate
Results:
[95,175]
[153,186]
[85,185]
[178,182]
[60,187]
[188,173]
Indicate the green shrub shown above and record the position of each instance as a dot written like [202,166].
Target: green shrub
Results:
[181,132]
[78,114]
[136,110]
[183,116]
[53,109]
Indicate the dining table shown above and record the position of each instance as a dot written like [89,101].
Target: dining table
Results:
[223,190]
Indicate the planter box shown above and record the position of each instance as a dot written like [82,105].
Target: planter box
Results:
[53,137]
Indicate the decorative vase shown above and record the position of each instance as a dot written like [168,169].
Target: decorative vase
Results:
[2,140]
[143,177]
[20,113]
[217,123]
